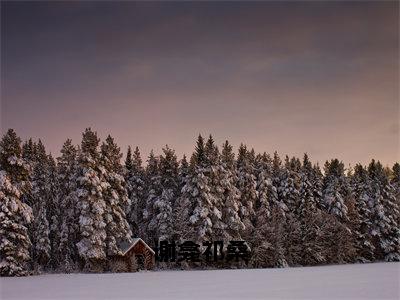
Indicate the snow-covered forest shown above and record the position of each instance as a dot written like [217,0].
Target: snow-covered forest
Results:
[67,214]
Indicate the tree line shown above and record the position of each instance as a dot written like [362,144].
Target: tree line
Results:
[69,214]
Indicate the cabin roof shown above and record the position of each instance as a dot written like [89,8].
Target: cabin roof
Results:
[126,246]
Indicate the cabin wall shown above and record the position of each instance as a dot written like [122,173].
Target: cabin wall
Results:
[128,262]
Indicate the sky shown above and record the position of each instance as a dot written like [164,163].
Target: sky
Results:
[295,77]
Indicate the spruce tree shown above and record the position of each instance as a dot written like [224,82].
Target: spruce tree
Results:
[289,189]
[41,199]
[55,213]
[310,216]
[89,196]
[135,179]
[182,207]
[69,224]
[197,192]
[277,175]
[385,212]
[395,181]
[115,197]
[15,216]
[247,186]
[335,189]
[162,222]
[231,194]
[11,161]
[28,151]
[307,190]
[217,181]
[153,191]
[265,189]
[362,225]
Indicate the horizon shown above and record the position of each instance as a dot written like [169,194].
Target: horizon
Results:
[145,156]
[316,78]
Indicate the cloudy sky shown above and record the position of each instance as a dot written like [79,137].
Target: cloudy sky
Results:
[316,77]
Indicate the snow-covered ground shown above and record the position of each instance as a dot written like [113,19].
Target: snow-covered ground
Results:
[368,281]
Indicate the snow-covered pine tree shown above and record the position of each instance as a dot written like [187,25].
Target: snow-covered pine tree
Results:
[289,189]
[41,199]
[182,207]
[198,192]
[216,175]
[309,216]
[277,174]
[247,186]
[261,239]
[115,197]
[269,250]
[307,189]
[135,179]
[15,216]
[89,193]
[66,169]
[11,161]
[385,212]
[231,194]
[395,181]
[362,225]
[28,151]
[41,240]
[54,212]
[153,191]
[183,172]
[162,221]
[265,188]
[316,179]
[335,189]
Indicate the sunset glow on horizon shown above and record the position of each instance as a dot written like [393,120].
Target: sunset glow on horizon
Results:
[315,77]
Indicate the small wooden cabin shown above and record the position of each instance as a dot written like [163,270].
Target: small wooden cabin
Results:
[134,256]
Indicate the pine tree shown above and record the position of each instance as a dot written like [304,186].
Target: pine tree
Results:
[162,221]
[310,216]
[247,185]
[335,189]
[269,247]
[66,169]
[89,193]
[288,190]
[217,182]
[264,189]
[277,174]
[135,179]
[154,190]
[197,192]
[362,225]
[231,194]
[41,199]
[54,214]
[316,180]
[11,161]
[182,207]
[28,151]
[385,212]
[115,197]
[395,181]
[15,216]
[263,209]
[307,190]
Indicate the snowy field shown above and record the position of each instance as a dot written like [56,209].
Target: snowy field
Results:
[368,281]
